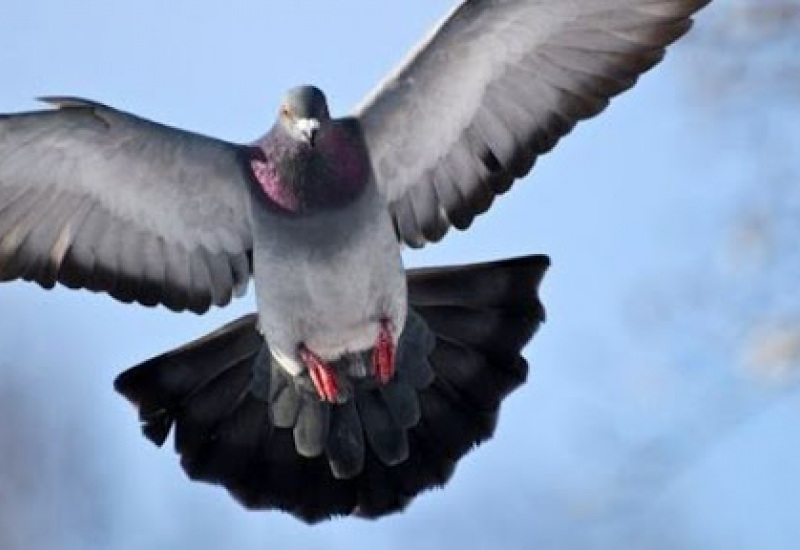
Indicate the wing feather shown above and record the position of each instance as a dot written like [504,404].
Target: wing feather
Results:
[96,198]
[497,84]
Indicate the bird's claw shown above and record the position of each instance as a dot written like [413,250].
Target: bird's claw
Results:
[322,375]
[383,354]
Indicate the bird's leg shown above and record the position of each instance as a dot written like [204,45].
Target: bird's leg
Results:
[383,354]
[322,375]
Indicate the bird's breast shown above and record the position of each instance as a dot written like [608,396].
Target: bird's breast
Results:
[326,280]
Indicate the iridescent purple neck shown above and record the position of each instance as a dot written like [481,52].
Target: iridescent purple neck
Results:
[268,176]
[296,177]
[273,161]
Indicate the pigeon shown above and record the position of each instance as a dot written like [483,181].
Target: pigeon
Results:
[356,384]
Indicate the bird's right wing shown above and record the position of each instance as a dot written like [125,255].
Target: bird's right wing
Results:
[96,198]
[497,84]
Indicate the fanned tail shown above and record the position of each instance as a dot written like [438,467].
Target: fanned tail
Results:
[240,422]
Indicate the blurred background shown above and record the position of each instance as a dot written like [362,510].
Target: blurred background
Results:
[662,409]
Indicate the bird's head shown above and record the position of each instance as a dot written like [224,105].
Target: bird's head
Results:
[303,112]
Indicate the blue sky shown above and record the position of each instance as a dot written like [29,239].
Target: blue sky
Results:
[627,199]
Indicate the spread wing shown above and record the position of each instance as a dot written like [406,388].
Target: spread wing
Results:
[498,83]
[96,198]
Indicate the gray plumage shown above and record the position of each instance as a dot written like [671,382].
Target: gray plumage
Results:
[100,199]
[495,85]
[325,279]
[356,385]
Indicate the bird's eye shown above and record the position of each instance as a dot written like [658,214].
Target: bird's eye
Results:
[285,111]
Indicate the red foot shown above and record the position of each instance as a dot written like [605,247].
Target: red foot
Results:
[383,353]
[322,375]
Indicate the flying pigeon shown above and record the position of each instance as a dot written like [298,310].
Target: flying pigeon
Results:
[356,384]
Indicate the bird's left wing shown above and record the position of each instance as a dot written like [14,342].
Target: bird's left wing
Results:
[498,83]
[96,198]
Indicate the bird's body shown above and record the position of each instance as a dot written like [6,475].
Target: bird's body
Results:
[355,385]
[326,267]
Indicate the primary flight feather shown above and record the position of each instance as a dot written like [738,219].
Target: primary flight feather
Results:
[357,384]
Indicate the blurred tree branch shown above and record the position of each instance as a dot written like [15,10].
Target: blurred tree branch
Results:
[749,58]
[728,322]
[747,48]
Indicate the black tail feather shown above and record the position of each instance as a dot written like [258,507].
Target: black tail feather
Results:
[481,315]
[346,442]
[385,436]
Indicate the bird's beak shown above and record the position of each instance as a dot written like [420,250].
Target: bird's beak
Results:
[308,129]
